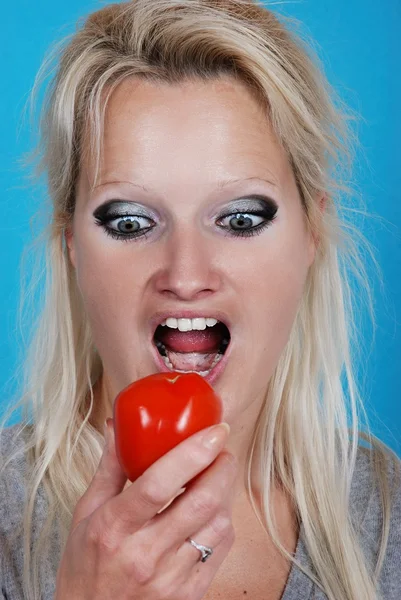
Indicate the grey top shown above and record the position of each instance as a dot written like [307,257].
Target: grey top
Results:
[365,508]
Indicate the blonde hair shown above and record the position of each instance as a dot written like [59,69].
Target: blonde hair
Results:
[313,407]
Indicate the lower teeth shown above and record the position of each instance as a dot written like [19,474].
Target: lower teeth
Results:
[169,364]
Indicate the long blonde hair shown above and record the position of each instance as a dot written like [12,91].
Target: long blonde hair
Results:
[313,406]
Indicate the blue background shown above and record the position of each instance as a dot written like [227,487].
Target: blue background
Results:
[360,46]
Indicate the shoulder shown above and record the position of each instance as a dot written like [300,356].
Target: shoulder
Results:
[13,474]
[13,447]
[376,480]
[13,438]
[15,498]
[377,471]
[375,505]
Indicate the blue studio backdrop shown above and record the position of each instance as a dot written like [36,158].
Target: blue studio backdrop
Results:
[359,43]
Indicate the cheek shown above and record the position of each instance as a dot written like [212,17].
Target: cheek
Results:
[277,293]
[282,292]
[110,294]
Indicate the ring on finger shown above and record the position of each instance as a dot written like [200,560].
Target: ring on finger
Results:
[205,551]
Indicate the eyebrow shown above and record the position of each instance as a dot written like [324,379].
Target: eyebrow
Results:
[224,182]
[220,184]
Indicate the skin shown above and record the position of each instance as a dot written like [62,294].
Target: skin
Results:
[180,142]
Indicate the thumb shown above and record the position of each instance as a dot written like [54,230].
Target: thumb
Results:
[108,481]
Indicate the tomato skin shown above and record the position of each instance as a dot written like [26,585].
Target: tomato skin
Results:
[157,412]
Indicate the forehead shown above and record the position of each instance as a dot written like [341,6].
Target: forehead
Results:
[186,134]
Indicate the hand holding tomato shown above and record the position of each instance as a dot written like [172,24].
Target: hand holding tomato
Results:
[154,414]
[122,545]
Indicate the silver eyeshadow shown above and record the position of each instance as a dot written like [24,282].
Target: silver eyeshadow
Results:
[255,202]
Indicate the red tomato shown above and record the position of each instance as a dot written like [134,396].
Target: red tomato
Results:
[154,414]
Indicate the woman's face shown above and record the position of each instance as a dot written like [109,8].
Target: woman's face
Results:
[179,159]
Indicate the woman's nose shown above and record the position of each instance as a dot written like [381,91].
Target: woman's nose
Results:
[189,268]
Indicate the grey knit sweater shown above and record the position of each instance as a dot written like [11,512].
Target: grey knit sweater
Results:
[365,508]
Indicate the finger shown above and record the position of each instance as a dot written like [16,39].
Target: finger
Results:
[184,567]
[201,574]
[108,481]
[193,508]
[141,501]
[210,535]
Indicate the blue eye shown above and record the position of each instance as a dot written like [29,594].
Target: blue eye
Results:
[242,224]
[128,226]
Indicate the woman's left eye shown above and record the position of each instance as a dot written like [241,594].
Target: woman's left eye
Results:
[243,223]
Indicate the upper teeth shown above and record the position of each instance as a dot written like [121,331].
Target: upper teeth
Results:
[189,324]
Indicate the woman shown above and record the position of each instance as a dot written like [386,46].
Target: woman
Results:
[201,133]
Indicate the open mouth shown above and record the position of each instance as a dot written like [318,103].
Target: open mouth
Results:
[194,350]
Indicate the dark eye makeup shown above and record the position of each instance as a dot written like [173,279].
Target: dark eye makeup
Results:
[135,222]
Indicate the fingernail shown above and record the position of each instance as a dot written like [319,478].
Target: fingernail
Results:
[216,436]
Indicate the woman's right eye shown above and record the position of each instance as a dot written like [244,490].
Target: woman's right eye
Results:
[126,227]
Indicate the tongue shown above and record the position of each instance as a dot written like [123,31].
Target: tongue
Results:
[191,361]
[206,341]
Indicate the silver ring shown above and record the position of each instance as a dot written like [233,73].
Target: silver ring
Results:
[204,550]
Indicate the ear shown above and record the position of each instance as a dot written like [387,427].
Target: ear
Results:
[69,240]
[323,202]
[314,238]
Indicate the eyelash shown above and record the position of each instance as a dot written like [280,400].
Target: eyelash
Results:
[257,230]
